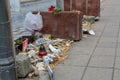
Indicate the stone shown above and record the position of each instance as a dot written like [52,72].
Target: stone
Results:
[24,66]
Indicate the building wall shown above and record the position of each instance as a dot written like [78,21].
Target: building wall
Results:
[15,5]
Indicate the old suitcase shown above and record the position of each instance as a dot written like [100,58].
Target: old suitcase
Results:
[93,8]
[66,25]
[79,5]
[67,5]
[75,5]
[87,7]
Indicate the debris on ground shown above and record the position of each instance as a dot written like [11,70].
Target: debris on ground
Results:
[87,28]
[44,55]
[90,19]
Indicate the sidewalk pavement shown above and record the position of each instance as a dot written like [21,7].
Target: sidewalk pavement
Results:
[96,57]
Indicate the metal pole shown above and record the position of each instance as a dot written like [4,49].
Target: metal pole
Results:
[7,61]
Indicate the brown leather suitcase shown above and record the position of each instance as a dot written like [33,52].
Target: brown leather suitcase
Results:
[87,7]
[67,5]
[93,8]
[67,24]
[79,5]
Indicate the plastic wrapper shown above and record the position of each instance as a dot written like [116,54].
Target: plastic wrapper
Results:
[33,22]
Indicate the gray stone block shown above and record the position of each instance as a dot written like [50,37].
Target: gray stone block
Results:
[77,60]
[117,63]
[23,66]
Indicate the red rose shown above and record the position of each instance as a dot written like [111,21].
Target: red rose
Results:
[51,8]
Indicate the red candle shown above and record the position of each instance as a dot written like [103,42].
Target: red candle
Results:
[42,51]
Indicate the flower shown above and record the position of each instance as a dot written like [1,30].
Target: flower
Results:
[51,8]
[54,10]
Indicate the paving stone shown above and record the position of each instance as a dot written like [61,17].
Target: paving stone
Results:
[77,60]
[81,51]
[119,38]
[86,43]
[102,61]
[114,26]
[105,51]
[108,39]
[118,52]
[98,74]
[118,47]
[68,73]
[97,33]
[118,43]
[109,34]
[117,63]
[99,26]
[116,75]
[106,44]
